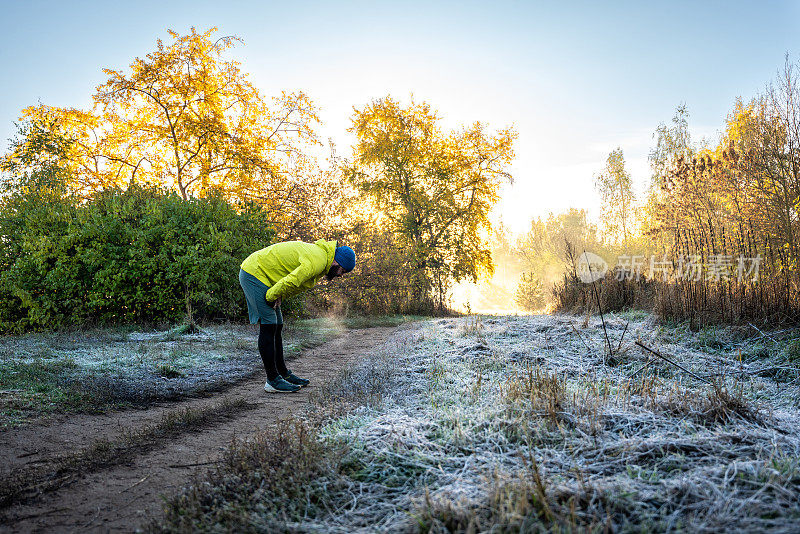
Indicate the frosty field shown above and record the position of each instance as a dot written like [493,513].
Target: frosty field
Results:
[92,371]
[522,423]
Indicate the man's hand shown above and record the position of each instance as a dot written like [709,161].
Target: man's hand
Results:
[277,303]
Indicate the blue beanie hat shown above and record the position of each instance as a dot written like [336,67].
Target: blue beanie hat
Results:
[345,257]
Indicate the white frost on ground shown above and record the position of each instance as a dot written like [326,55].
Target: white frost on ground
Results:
[472,403]
[139,367]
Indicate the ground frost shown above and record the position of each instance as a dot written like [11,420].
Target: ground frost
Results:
[513,423]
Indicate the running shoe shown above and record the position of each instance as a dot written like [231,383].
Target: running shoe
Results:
[296,380]
[279,385]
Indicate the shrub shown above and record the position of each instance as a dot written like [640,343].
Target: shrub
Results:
[530,294]
[382,281]
[616,293]
[139,254]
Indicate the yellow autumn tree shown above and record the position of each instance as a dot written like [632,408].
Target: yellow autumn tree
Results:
[188,118]
[733,208]
[435,188]
[617,198]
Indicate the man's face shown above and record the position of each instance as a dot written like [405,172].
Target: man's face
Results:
[334,271]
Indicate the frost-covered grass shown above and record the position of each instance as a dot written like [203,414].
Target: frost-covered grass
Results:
[500,424]
[93,370]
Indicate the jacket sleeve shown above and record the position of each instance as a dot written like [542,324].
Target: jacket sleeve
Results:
[292,281]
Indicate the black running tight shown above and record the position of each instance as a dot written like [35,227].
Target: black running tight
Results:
[270,345]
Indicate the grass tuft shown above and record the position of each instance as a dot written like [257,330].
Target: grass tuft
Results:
[542,393]
[166,370]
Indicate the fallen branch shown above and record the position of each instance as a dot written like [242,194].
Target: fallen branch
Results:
[679,366]
[763,334]
[640,369]
[136,484]
[619,346]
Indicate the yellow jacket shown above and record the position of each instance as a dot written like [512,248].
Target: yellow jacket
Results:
[290,267]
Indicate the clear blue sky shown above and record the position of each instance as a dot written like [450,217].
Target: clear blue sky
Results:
[577,79]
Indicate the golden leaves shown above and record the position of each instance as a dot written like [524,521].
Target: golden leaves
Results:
[187,118]
[436,187]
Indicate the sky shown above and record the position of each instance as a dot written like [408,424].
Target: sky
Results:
[576,79]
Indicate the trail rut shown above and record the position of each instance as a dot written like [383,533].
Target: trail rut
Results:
[121,498]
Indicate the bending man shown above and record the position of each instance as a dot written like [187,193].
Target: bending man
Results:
[279,271]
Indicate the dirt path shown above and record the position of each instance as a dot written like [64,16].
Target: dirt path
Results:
[122,497]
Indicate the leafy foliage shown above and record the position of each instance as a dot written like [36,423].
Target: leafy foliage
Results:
[733,206]
[671,142]
[380,283]
[139,254]
[134,255]
[186,118]
[435,189]
[530,294]
[616,192]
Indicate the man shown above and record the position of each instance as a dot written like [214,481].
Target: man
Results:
[279,271]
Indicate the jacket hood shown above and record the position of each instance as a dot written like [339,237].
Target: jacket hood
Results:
[330,249]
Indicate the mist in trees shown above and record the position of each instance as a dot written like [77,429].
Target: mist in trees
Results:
[543,253]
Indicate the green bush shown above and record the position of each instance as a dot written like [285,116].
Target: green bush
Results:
[530,293]
[133,255]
